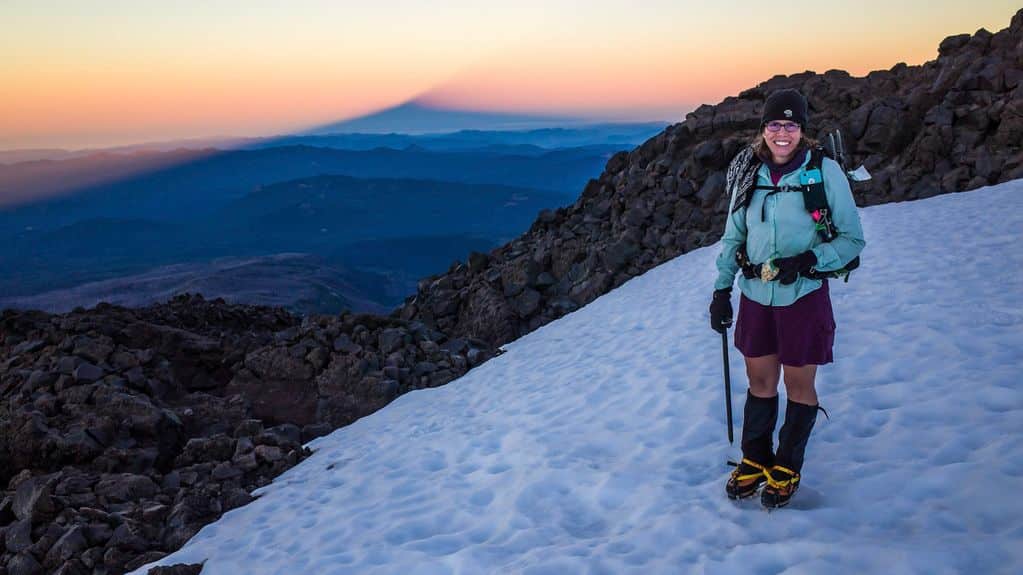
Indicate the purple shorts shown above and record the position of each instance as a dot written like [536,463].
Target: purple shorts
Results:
[800,334]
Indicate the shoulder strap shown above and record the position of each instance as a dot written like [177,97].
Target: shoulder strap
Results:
[812,181]
[816,158]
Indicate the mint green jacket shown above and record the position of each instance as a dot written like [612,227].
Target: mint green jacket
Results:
[787,230]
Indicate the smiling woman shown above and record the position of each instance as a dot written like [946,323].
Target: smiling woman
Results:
[780,235]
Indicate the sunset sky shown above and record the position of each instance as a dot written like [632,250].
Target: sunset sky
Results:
[87,73]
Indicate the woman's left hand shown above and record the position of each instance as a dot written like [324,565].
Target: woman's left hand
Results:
[790,268]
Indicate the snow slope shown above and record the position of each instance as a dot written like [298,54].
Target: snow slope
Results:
[597,444]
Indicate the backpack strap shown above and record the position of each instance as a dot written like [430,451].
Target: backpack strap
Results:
[812,181]
[816,201]
[774,190]
[815,197]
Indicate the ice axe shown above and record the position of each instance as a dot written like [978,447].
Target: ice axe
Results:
[728,380]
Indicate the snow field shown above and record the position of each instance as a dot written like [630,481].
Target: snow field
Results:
[597,443]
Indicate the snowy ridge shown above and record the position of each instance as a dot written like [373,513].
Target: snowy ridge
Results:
[597,443]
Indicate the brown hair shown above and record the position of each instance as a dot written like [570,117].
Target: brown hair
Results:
[764,153]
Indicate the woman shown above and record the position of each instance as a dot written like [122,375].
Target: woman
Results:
[785,320]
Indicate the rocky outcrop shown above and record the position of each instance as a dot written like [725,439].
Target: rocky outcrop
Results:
[955,123]
[124,431]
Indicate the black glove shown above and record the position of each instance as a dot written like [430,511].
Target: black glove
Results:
[721,310]
[790,268]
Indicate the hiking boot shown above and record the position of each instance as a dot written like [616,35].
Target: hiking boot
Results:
[782,484]
[746,479]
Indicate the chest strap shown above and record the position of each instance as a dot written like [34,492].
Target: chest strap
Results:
[775,190]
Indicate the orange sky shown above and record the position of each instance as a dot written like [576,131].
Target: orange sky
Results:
[93,73]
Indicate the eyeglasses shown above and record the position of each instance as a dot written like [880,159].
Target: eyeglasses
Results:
[777,126]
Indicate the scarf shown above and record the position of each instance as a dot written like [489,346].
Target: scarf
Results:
[741,178]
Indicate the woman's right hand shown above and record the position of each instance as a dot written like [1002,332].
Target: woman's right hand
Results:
[721,310]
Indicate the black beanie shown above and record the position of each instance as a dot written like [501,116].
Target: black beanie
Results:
[785,105]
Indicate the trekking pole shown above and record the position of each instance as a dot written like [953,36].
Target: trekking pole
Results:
[728,382]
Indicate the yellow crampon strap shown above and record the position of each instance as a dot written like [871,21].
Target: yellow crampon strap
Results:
[751,463]
[772,482]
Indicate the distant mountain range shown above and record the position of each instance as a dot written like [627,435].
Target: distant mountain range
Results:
[541,140]
[337,218]
[190,181]
[408,124]
[390,207]
[415,117]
